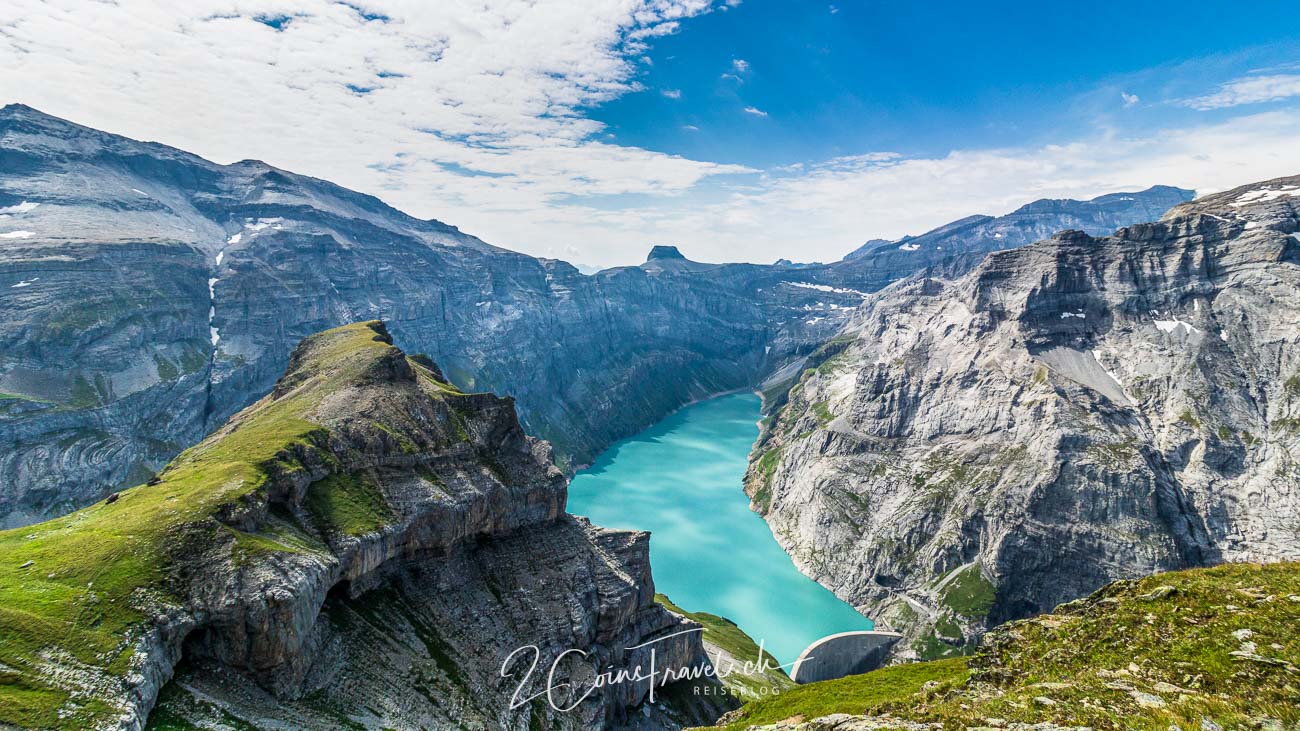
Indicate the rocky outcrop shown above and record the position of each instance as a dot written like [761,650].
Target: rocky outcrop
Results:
[979,448]
[146,295]
[366,544]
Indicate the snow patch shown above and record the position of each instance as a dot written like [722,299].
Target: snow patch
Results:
[825,288]
[1263,195]
[1096,354]
[141,192]
[1252,224]
[23,207]
[220,256]
[263,223]
[234,239]
[17,235]
[1079,315]
[24,283]
[213,333]
[1169,326]
[910,247]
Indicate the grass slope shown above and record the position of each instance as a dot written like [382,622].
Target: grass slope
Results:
[78,589]
[1175,650]
[731,639]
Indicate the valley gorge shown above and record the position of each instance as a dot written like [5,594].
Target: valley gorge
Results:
[153,294]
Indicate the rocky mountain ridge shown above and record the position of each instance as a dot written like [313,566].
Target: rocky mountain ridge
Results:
[146,295]
[971,237]
[977,448]
[364,545]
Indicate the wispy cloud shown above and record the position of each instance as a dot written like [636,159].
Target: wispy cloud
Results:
[1129,99]
[822,210]
[416,105]
[475,112]
[672,93]
[1249,90]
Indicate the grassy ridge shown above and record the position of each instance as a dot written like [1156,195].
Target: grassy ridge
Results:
[78,589]
[854,694]
[1217,644]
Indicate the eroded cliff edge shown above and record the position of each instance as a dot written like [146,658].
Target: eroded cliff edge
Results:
[978,448]
[366,544]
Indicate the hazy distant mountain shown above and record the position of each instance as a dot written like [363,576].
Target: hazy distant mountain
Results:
[1027,224]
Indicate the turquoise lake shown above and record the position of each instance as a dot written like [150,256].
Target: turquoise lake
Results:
[682,480]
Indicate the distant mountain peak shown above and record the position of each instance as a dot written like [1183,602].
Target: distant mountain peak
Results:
[664,252]
[1033,221]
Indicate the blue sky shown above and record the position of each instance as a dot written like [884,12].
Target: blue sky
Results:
[926,78]
[750,130]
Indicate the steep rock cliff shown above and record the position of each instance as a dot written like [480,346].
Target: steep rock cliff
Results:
[366,544]
[976,449]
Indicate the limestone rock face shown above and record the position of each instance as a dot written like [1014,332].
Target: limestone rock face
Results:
[978,448]
[146,295]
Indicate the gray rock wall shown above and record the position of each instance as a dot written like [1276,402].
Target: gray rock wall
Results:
[984,447]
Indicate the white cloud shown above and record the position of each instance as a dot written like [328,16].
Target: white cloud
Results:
[1249,90]
[1129,99]
[464,110]
[690,128]
[473,112]
[740,65]
[824,210]
[755,111]
[672,93]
